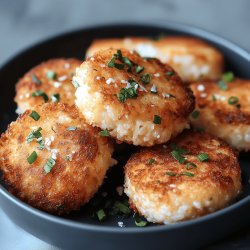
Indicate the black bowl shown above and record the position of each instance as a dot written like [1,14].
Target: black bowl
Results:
[79,230]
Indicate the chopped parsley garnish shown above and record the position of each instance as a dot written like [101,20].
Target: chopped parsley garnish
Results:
[72,128]
[170,173]
[139,221]
[111,63]
[119,66]
[151,161]
[157,119]
[49,165]
[129,92]
[118,54]
[42,94]
[233,100]
[177,155]
[139,69]
[145,78]
[104,133]
[203,157]
[32,158]
[51,75]
[35,79]
[190,165]
[34,115]
[222,85]
[189,174]
[55,98]
[169,73]
[76,84]
[228,77]
[180,150]
[127,61]
[122,208]
[34,134]
[101,215]
[195,114]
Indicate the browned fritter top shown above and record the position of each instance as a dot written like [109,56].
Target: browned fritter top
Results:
[76,173]
[52,77]
[155,169]
[218,100]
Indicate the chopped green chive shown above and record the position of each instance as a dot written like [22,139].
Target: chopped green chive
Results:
[118,55]
[189,174]
[169,73]
[119,66]
[35,79]
[55,98]
[139,69]
[170,173]
[129,92]
[34,115]
[222,85]
[101,215]
[195,114]
[157,119]
[42,94]
[151,161]
[203,157]
[49,165]
[139,221]
[72,128]
[190,165]
[127,61]
[104,133]
[228,77]
[32,158]
[75,84]
[51,75]
[177,155]
[180,150]
[145,78]
[233,100]
[122,208]
[111,63]
[34,134]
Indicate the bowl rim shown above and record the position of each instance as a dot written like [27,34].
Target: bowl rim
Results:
[179,27]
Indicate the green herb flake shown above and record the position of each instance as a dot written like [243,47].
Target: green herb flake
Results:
[222,85]
[157,119]
[34,115]
[71,128]
[139,69]
[122,208]
[145,78]
[119,66]
[32,158]
[189,174]
[118,55]
[51,75]
[129,92]
[127,61]
[195,114]
[170,73]
[171,174]
[203,157]
[139,221]
[75,84]
[68,157]
[111,63]
[151,161]
[49,165]
[55,98]
[42,94]
[228,77]
[35,79]
[104,133]
[233,100]
[101,215]
[34,134]
[177,155]
[190,165]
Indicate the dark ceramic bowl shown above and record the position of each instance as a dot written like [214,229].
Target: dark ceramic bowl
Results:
[79,230]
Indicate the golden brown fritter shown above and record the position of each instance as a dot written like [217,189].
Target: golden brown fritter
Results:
[71,162]
[144,102]
[52,77]
[169,183]
[223,109]
[192,58]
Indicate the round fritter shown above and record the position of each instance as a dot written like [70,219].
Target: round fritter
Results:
[191,57]
[139,101]
[71,163]
[50,81]
[169,183]
[223,109]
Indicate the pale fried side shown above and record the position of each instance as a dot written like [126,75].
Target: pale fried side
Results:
[81,157]
[132,120]
[166,191]
[192,58]
[37,79]
[217,116]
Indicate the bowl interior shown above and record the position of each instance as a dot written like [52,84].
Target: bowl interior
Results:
[74,45]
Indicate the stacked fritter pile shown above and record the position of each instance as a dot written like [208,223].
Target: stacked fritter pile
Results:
[56,155]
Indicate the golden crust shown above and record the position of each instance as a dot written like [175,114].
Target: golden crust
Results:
[191,57]
[94,75]
[220,118]
[217,181]
[64,69]
[71,182]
